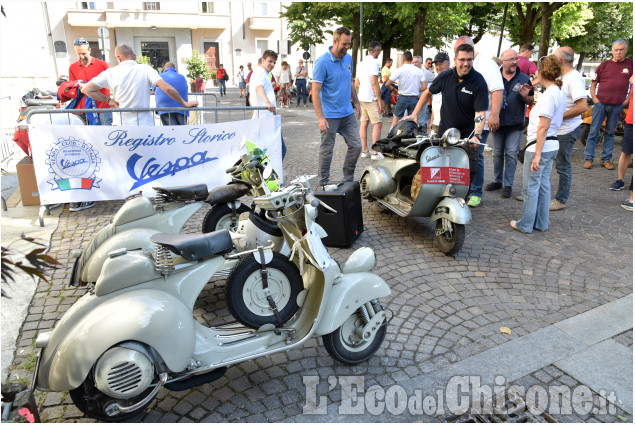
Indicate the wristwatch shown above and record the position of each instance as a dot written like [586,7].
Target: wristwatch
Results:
[478,136]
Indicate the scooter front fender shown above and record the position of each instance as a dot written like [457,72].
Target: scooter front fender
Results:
[353,291]
[455,210]
[152,317]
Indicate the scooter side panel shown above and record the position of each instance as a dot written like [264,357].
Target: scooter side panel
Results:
[131,239]
[133,210]
[152,317]
[355,290]
[168,221]
[439,168]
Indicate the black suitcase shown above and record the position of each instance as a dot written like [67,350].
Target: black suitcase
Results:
[347,224]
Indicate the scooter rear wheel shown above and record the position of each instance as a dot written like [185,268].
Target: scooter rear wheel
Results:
[451,244]
[245,295]
[219,217]
[346,346]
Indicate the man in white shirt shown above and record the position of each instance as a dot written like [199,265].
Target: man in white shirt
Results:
[262,93]
[574,87]
[411,84]
[129,83]
[417,61]
[369,97]
[490,71]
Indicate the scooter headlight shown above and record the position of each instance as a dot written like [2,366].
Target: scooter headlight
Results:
[452,136]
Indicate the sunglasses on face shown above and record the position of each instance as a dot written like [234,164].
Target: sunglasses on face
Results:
[80,42]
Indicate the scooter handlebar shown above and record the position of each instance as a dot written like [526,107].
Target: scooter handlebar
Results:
[312,200]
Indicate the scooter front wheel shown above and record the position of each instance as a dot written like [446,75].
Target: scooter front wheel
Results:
[246,297]
[219,217]
[450,244]
[347,346]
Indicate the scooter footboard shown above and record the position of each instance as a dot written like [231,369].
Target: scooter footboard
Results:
[152,317]
[345,298]
[454,210]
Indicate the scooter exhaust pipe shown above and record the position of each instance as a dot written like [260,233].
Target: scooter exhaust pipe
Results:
[196,380]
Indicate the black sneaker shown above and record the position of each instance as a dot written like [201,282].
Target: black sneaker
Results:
[78,206]
[618,185]
[507,192]
[627,205]
[494,186]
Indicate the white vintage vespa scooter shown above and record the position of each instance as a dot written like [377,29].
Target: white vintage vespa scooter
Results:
[134,332]
[424,177]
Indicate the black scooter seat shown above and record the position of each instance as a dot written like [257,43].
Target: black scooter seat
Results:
[228,192]
[195,247]
[197,192]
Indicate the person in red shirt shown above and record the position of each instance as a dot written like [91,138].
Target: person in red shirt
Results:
[524,64]
[613,79]
[220,75]
[627,151]
[84,70]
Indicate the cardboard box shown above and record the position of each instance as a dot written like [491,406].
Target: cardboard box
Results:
[27,182]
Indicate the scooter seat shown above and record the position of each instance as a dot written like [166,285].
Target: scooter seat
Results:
[227,193]
[197,192]
[197,246]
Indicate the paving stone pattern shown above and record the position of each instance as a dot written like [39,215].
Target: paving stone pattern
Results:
[446,309]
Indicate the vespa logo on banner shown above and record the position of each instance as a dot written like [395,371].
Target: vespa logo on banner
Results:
[445,175]
[76,163]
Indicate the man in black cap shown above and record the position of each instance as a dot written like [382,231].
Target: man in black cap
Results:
[441,64]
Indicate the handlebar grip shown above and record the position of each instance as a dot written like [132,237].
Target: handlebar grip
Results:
[312,200]
[231,170]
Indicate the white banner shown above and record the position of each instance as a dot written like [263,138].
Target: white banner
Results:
[100,163]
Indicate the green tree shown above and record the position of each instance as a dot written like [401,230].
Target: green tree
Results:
[610,21]
[144,60]
[196,66]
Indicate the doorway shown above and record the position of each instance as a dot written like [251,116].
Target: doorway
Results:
[212,58]
[157,51]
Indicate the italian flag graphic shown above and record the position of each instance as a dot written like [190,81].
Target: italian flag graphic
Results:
[74,183]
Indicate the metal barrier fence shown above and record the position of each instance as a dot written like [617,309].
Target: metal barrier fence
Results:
[198,115]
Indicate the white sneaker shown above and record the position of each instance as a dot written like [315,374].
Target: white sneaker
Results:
[487,148]
[377,156]
[365,154]
[330,187]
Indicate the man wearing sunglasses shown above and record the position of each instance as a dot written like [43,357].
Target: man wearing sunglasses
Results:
[84,70]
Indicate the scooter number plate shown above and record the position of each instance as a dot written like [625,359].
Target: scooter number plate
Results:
[445,175]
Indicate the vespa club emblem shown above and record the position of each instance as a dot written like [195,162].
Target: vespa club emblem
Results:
[74,164]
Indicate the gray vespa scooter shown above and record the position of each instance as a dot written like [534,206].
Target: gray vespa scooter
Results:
[424,177]
[139,218]
[134,332]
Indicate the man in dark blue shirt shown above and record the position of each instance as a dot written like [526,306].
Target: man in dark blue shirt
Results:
[465,96]
[517,94]
[179,83]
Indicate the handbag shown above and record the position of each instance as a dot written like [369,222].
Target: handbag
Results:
[521,153]
[226,77]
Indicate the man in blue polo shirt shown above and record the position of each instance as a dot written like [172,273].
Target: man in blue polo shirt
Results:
[332,91]
[179,83]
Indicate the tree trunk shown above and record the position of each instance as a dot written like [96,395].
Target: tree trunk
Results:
[545,35]
[528,20]
[355,42]
[580,60]
[419,31]
[385,47]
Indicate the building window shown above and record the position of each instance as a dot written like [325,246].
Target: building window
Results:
[151,5]
[263,9]
[157,51]
[207,7]
[88,5]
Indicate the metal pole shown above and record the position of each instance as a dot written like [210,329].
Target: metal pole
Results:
[500,41]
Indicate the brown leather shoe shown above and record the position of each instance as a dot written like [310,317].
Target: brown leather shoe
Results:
[608,165]
[588,164]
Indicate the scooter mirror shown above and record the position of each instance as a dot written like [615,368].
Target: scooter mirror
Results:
[452,136]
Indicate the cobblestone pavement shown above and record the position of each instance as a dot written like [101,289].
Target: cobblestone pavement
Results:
[446,309]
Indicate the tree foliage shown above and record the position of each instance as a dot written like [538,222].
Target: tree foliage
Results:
[196,66]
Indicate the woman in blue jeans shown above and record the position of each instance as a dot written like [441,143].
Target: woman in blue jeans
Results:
[542,147]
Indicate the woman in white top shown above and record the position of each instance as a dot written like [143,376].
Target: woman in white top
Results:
[542,147]
[242,85]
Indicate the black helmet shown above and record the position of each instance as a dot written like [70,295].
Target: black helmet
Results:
[403,130]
